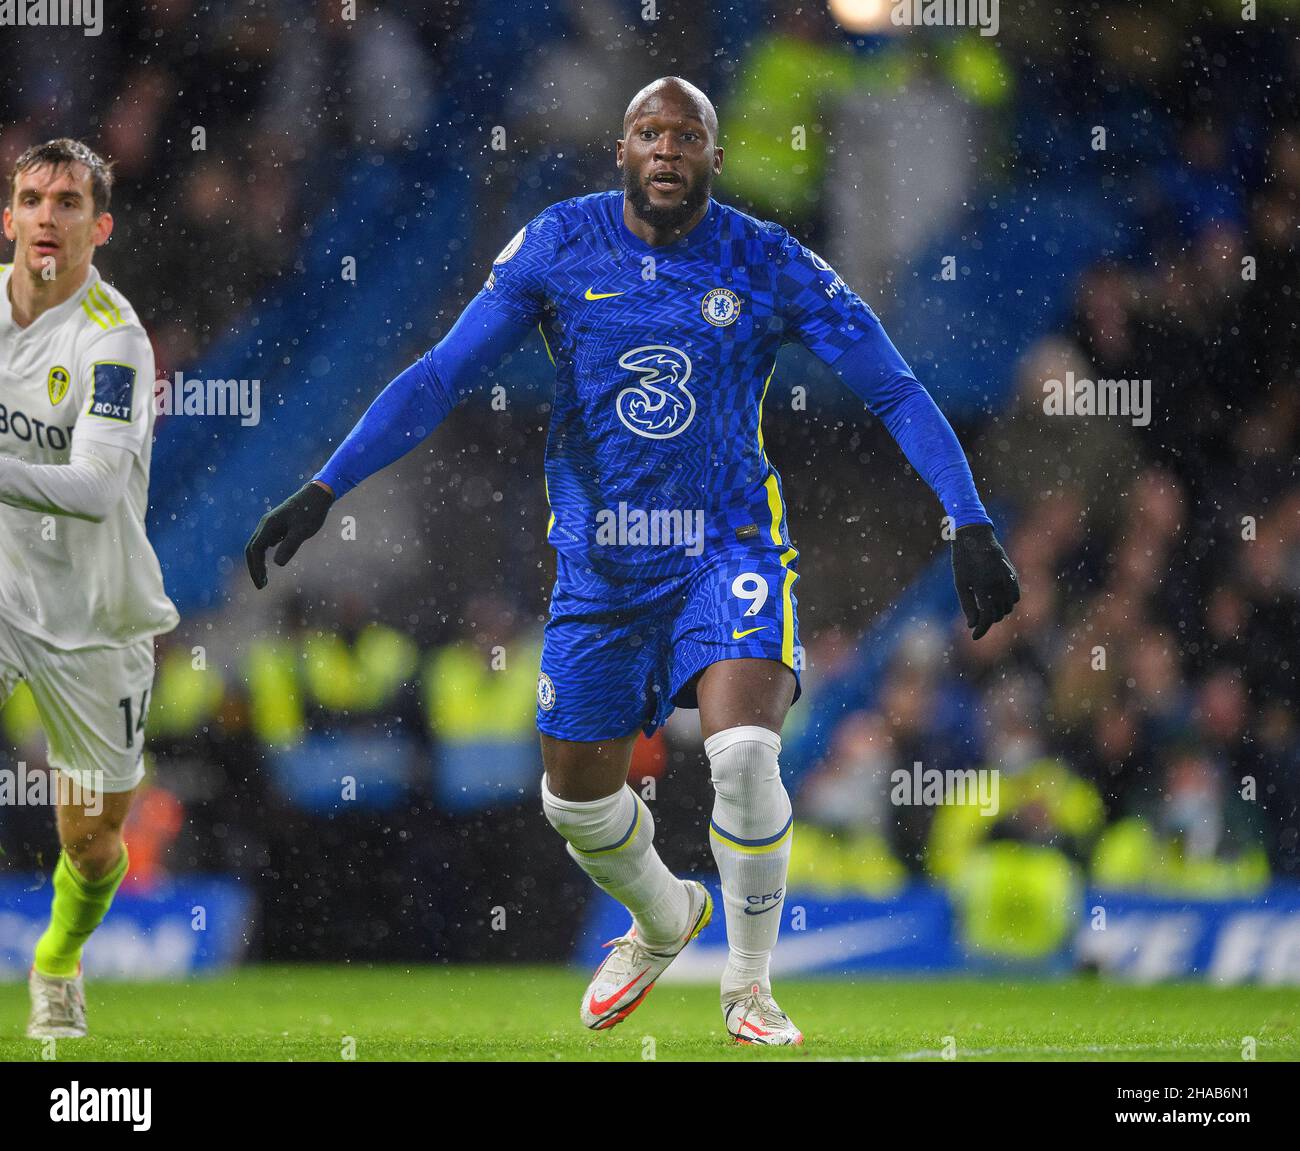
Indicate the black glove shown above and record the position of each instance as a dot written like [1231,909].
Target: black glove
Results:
[987,584]
[290,525]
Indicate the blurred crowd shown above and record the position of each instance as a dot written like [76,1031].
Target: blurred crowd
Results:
[1140,704]
[228,123]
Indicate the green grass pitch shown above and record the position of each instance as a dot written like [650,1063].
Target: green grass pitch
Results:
[531,1013]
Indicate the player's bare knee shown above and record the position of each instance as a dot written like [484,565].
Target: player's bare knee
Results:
[94,848]
[586,772]
[94,860]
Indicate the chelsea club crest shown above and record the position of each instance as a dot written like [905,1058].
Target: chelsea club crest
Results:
[720,307]
[545,692]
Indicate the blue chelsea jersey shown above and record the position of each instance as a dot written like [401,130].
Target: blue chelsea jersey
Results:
[663,357]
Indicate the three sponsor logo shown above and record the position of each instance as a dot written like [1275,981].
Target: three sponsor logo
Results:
[659,406]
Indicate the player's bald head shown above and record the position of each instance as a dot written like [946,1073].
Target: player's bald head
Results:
[675,94]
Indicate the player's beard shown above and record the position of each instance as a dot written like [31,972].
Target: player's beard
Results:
[669,216]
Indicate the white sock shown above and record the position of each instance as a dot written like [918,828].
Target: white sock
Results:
[750,835]
[612,840]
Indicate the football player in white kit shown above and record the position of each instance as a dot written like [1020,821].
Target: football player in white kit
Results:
[81,592]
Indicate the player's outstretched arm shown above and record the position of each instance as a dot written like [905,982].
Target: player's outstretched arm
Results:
[987,585]
[834,323]
[87,487]
[402,416]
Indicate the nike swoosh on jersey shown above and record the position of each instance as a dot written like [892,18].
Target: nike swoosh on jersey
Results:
[601,295]
[737,634]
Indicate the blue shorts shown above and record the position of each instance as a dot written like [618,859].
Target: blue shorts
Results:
[620,656]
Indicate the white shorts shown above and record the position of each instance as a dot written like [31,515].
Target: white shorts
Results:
[92,703]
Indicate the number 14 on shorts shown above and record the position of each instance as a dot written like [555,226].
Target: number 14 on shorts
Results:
[141,714]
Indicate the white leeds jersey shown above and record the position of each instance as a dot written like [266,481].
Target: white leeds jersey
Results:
[83,369]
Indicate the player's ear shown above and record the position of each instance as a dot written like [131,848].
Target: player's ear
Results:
[618,156]
[717,161]
[10,234]
[103,228]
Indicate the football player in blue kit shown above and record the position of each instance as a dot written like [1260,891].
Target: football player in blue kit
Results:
[663,312]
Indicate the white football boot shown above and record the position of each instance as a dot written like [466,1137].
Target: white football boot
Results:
[58,1006]
[624,979]
[755,1018]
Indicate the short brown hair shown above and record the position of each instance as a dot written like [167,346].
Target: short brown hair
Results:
[60,153]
